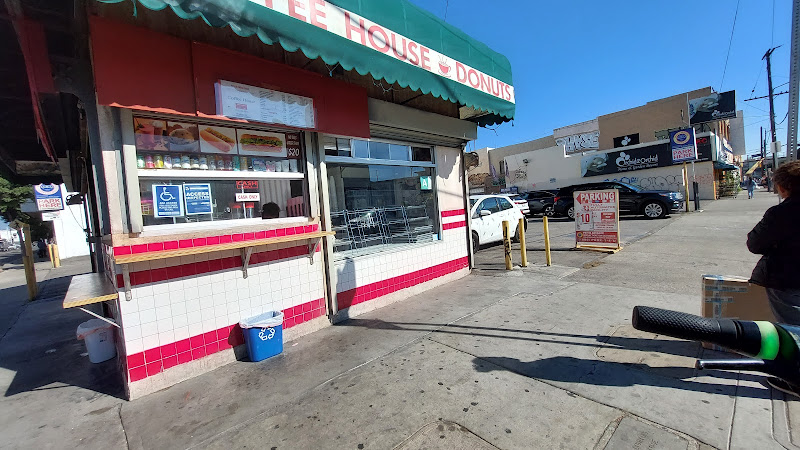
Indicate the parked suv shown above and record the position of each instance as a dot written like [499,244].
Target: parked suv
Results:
[632,199]
[540,202]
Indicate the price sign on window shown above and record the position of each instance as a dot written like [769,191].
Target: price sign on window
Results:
[597,218]
[293,145]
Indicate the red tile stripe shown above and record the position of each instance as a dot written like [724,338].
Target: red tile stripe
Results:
[155,360]
[451,225]
[212,240]
[453,212]
[372,291]
[214,265]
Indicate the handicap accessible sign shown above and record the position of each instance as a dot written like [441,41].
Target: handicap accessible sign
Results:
[167,200]
[197,197]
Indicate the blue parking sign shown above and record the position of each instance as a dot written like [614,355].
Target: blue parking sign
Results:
[167,200]
[197,197]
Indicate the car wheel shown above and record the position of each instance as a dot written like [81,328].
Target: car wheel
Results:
[571,212]
[654,210]
[476,245]
[549,211]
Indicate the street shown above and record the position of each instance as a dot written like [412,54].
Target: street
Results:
[532,358]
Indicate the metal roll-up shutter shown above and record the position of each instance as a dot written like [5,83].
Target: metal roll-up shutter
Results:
[378,131]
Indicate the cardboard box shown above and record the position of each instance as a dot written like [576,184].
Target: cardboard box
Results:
[734,298]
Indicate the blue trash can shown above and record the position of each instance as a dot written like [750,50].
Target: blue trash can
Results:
[263,335]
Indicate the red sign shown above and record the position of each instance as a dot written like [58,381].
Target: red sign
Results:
[247,185]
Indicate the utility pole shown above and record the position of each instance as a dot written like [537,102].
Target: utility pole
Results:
[794,84]
[769,86]
[763,153]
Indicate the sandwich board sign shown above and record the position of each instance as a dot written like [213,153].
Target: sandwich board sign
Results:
[48,197]
[597,220]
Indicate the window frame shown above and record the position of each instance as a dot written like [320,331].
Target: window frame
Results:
[134,200]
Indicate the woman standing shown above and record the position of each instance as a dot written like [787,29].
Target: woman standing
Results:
[751,187]
[777,237]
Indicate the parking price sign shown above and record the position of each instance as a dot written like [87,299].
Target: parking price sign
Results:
[167,200]
[597,219]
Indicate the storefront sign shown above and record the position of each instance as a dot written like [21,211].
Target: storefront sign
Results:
[597,218]
[198,198]
[714,107]
[167,200]
[248,197]
[360,30]
[628,139]
[578,143]
[241,101]
[682,144]
[246,185]
[425,183]
[48,197]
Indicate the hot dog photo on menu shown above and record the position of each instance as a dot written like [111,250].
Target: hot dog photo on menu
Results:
[260,143]
[218,140]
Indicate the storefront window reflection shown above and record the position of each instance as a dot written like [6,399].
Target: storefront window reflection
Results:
[380,207]
[169,201]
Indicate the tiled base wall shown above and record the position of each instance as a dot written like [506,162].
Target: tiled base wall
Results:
[391,285]
[153,361]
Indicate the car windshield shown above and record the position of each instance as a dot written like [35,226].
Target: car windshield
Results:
[472,202]
[630,186]
[517,198]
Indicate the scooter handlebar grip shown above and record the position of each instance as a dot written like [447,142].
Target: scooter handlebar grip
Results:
[676,324]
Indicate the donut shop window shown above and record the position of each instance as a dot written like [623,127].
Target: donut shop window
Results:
[196,172]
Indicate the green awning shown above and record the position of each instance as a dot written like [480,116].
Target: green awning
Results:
[246,18]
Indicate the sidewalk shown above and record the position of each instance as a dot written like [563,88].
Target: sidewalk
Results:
[534,358]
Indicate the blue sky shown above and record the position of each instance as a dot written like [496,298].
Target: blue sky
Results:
[574,60]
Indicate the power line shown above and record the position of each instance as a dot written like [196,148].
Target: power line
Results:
[730,42]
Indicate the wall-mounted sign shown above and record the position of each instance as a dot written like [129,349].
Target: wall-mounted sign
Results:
[683,145]
[247,185]
[48,197]
[714,107]
[597,218]
[50,216]
[578,143]
[639,158]
[167,200]
[198,198]
[425,183]
[241,101]
[628,139]
[248,197]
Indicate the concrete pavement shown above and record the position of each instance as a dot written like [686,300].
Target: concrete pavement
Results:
[533,358]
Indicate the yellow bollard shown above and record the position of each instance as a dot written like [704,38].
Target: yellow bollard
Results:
[56,257]
[547,241]
[51,254]
[507,245]
[27,261]
[523,251]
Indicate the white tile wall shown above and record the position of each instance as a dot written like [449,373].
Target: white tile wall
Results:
[164,312]
[381,266]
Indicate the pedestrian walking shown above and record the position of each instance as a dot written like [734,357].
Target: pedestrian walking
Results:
[750,184]
[775,237]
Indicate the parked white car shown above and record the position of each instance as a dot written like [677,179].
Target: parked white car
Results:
[488,213]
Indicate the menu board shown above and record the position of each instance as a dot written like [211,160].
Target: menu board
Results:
[162,135]
[261,143]
[218,140]
[164,144]
[241,101]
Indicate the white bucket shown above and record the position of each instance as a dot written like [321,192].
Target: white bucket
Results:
[99,337]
